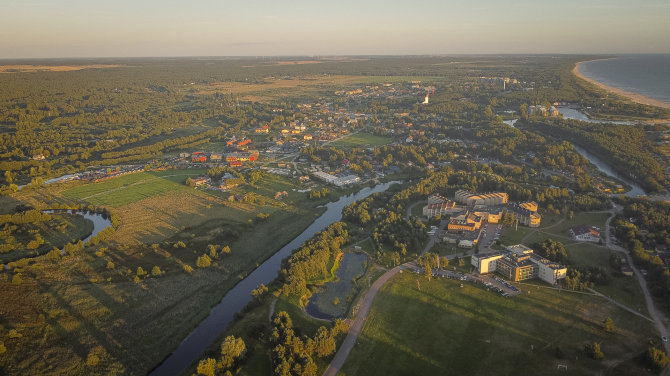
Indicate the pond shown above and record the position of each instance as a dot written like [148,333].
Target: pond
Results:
[336,296]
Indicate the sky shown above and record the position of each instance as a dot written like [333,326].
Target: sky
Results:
[125,28]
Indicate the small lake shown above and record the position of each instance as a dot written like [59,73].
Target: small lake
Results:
[322,304]
[100,222]
[194,345]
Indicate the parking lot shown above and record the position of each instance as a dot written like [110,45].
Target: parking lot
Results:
[491,282]
[489,234]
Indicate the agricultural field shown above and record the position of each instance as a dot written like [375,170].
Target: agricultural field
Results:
[130,188]
[479,331]
[361,140]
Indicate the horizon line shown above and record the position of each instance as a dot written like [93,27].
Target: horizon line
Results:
[330,56]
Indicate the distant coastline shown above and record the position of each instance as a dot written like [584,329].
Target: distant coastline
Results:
[635,97]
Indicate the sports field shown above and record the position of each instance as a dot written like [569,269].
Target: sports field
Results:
[421,327]
[361,139]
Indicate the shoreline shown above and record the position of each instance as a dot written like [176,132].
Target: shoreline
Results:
[635,97]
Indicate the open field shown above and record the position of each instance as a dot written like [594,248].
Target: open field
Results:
[443,329]
[361,140]
[133,325]
[131,188]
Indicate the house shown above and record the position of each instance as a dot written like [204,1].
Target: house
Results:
[215,157]
[585,233]
[202,180]
[198,156]
[627,270]
[262,129]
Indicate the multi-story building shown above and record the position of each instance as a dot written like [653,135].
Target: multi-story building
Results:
[524,215]
[486,199]
[518,263]
[465,222]
[440,208]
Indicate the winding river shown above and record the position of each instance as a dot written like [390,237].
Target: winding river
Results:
[193,346]
[636,190]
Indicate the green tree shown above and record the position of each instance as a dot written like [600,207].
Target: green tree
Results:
[259,291]
[110,265]
[444,262]
[232,350]
[225,249]
[190,182]
[608,325]
[16,279]
[92,360]
[156,271]
[429,271]
[593,350]
[207,367]
[656,358]
[140,271]
[203,261]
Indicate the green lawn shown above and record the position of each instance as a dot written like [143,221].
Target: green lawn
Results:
[361,139]
[131,188]
[443,329]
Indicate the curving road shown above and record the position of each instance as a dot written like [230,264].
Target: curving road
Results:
[357,325]
[655,315]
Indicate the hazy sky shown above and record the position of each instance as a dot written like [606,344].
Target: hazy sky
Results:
[94,28]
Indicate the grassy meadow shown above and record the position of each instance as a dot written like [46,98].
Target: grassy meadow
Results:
[361,140]
[438,328]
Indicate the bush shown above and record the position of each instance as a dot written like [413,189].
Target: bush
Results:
[656,358]
[92,360]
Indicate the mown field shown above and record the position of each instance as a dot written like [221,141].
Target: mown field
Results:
[361,140]
[439,328]
[131,188]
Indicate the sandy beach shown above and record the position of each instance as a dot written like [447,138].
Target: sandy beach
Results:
[637,98]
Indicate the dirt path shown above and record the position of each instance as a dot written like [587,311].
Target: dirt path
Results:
[409,209]
[357,325]
[528,235]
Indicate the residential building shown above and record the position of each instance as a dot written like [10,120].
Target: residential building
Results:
[585,233]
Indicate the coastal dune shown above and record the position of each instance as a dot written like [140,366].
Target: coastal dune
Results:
[635,97]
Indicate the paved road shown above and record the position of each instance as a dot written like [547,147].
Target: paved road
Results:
[357,325]
[662,330]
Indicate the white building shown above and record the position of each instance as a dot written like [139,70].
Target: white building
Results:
[585,233]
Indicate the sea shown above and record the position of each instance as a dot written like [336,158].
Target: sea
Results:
[648,75]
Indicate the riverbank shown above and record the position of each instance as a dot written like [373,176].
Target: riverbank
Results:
[635,97]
